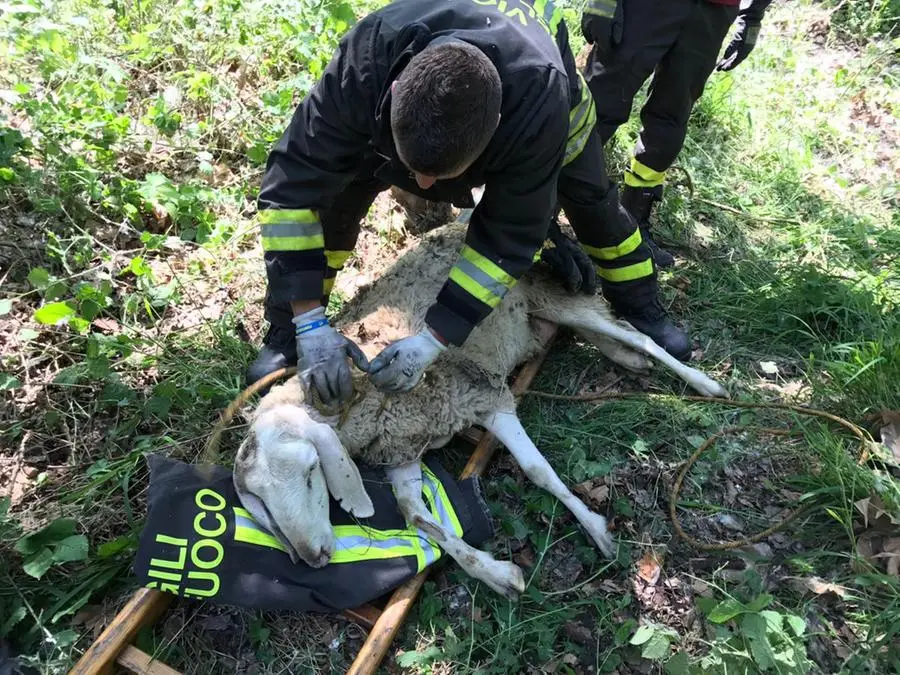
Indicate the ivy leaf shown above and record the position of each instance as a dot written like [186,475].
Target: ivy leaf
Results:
[71,549]
[657,647]
[726,611]
[56,531]
[38,564]
[753,626]
[797,624]
[53,313]
[641,636]
[5,306]
[7,381]
[679,664]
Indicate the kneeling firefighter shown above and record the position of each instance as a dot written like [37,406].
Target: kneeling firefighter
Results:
[437,98]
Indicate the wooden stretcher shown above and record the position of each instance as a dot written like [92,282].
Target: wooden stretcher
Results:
[113,651]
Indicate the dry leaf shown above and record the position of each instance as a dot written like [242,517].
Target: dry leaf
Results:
[649,567]
[890,434]
[879,549]
[819,586]
[570,659]
[107,325]
[875,514]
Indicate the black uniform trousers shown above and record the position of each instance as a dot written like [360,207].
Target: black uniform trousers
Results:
[678,42]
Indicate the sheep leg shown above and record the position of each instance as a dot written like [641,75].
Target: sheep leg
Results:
[504,577]
[507,427]
[582,318]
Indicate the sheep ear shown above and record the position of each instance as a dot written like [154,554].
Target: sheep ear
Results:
[341,475]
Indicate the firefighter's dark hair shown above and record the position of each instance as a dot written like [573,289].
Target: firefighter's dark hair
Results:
[444,108]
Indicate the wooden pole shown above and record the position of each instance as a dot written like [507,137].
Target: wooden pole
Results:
[382,634]
[142,609]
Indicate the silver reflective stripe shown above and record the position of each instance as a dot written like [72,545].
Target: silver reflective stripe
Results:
[437,503]
[344,543]
[481,278]
[283,230]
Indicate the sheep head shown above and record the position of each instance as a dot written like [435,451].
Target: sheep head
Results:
[284,471]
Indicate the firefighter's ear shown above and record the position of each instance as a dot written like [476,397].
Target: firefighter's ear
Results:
[341,475]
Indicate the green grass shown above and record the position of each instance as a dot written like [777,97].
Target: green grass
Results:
[132,139]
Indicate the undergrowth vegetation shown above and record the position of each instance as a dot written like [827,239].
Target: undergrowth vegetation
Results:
[132,140]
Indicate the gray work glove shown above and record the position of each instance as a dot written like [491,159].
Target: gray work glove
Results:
[602,23]
[743,42]
[402,363]
[569,263]
[322,357]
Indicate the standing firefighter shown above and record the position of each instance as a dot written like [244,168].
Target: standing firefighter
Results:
[678,42]
[437,97]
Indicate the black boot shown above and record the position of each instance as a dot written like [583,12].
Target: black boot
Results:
[279,345]
[639,202]
[279,350]
[637,302]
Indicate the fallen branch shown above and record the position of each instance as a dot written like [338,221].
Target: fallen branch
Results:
[749,216]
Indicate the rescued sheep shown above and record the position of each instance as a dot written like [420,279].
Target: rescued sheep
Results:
[294,453]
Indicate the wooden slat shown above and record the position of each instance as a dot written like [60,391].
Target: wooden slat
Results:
[141,663]
[382,634]
[142,609]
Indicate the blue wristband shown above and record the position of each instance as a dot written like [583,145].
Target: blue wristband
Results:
[312,325]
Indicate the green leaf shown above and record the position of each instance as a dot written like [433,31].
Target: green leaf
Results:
[27,334]
[38,564]
[415,658]
[797,624]
[56,531]
[726,611]
[110,548]
[5,306]
[71,549]
[657,647]
[15,617]
[773,621]
[65,638]
[753,626]
[53,313]
[39,278]
[642,634]
[679,664]
[7,381]
[760,603]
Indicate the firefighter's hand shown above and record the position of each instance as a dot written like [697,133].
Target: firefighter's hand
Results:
[569,262]
[601,24]
[322,355]
[741,45]
[402,363]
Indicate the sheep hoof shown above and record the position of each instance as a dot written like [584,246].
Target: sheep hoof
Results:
[506,579]
[596,527]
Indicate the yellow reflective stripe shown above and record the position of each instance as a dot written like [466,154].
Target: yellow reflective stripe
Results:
[641,175]
[555,20]
[445,500]
[605,8]
[243,513]
[250,535]
[627,273]
[613,252]
[537,255]
[336,259]
[485,265]
[473,288]
[268,216]
[310,243]
[585,117]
